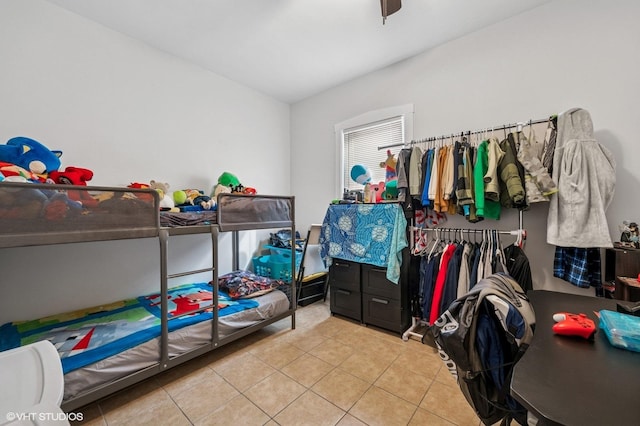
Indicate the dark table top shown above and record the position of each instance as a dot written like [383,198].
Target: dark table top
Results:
[572,381]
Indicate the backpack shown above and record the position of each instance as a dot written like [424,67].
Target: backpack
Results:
[480,337]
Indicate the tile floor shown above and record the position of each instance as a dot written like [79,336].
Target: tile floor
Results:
[328,371]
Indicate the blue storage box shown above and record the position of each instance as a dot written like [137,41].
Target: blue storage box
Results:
[622,330]
[280,254]
[273,267]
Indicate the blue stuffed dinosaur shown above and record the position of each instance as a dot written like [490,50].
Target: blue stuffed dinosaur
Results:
[30,154]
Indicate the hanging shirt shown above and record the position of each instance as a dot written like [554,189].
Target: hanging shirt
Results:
[463,277]
[440,204]
[402,171]
[464,195]
[549,145]
[448,183]
[427,177]
[518,266]
[579,266]
[484,207]
[491,182]
[512,185]
[450,288]
[415,171]
[474,263]
[538,182]
[439,286]
[433,183]
[429,267]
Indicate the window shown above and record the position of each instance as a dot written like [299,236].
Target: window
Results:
[362,146]
[365,140]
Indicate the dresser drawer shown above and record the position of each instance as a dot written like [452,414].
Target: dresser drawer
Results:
[383,312]
[346,302]
[375,282]
[345,274]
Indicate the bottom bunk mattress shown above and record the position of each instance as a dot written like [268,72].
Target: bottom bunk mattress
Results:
[102,344]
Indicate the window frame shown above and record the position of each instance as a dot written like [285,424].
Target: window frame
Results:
[369,118]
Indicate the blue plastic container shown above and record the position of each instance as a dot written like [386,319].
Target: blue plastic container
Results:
[622,330]
[273,267]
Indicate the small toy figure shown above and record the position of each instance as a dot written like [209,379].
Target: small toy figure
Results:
[630,233]
[390,166]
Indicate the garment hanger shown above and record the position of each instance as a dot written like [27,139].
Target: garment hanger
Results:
[435,244]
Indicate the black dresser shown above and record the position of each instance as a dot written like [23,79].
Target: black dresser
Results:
[362,292]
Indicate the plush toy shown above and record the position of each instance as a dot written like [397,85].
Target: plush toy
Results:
[193,197]
[390,166]
[14,173]
[71,176]
[220,189]
[166,200]
[390,190]
[378,189]
[30,155]
[75,176]
[229,180]
[138,185]
[249,191]
[360,174]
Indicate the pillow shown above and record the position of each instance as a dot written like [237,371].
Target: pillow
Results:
[245,284]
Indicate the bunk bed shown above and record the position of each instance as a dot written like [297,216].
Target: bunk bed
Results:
[170,326]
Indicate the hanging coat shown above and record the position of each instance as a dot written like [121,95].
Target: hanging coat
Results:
[585,173]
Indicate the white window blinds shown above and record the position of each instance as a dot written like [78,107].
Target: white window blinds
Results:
[361,147]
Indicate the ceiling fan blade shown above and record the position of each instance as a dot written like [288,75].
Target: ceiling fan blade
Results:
[389,7]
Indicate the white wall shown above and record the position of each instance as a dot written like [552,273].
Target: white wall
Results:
[573,53]
[129,113]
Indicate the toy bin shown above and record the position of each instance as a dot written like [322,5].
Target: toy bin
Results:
[280,254]
[273,267]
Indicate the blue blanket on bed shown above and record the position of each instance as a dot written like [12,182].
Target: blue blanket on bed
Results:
[86,336]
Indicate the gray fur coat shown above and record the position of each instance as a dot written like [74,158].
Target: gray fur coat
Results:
[585,174]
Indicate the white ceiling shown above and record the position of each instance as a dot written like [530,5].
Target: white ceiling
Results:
[293,49]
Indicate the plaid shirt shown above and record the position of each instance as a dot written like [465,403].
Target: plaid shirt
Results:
[579,266]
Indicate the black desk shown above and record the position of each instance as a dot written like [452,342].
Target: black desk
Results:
[571,381]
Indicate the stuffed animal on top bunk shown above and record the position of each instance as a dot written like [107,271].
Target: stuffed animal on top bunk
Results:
[230,184]
[79,177]
[13,173]
[193,200]
[166,200]
[31,155]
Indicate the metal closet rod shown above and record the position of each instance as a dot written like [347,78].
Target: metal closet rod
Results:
[469,132]
[469,230]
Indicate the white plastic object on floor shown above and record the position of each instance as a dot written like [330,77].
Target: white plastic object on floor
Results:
[32,386]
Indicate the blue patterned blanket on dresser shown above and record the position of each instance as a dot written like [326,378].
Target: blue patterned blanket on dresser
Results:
[367,233]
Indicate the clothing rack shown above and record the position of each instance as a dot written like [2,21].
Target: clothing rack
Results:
[519,125]
[419,327]
[520,233]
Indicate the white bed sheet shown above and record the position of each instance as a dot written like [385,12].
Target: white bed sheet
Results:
[180,341]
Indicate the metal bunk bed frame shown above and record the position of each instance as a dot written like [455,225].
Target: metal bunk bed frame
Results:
[280,213]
